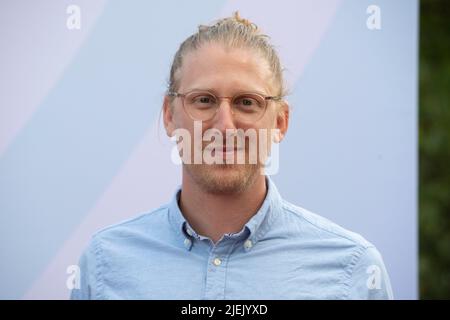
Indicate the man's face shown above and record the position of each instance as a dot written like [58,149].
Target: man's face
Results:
[226,72]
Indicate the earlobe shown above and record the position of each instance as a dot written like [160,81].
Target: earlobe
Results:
[277,137]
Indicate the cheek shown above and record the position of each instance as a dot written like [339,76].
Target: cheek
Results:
[267,124]
[270,132]
[181,120]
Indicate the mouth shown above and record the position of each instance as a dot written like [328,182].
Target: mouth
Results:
[225,152]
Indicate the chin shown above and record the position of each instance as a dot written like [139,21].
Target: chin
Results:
[223,179]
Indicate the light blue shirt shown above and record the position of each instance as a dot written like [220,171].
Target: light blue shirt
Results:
[283,252]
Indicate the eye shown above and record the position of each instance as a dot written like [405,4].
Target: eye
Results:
[248,103]
[203,99]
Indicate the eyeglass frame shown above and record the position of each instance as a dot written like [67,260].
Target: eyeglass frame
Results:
[175,94]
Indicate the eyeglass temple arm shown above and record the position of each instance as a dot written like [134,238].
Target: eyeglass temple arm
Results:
[174,94]
[274,98]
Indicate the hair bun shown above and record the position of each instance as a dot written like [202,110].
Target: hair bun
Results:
[245,22]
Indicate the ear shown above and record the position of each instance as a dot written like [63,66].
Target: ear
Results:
[168,116]
[282,120]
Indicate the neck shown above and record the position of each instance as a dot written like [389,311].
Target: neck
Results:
[214,215]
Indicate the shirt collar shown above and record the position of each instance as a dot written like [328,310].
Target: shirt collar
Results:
[253,230]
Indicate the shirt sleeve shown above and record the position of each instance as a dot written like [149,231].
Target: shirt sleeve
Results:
[369,279]
[85,288]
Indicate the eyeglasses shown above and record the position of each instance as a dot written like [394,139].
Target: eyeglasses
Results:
[245,107]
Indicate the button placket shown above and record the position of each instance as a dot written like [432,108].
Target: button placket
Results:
[216,270]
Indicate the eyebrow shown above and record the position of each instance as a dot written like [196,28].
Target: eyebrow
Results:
[237,92]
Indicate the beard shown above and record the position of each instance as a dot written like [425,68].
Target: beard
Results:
[227,178]
[223,178]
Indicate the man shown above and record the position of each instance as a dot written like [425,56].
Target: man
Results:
[227,233]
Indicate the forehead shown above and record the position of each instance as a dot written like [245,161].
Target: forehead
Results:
[227,70]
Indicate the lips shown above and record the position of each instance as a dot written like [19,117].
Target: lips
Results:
[223,149]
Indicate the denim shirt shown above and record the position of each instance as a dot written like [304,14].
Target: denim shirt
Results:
[282,252]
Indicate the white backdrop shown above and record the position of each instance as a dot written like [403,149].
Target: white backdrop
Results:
[80,149]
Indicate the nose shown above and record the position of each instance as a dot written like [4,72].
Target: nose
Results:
[224,117]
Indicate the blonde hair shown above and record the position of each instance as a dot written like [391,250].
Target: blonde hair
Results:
[234,32]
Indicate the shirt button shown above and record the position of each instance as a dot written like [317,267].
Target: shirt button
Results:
[187,242]
[217,262]
[248,244]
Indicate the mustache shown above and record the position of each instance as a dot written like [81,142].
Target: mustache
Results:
[238,145]
[224,147]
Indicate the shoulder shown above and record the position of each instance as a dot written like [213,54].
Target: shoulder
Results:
[312,224]
[123,237]
[364,274]
[141,224]
[110,249]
